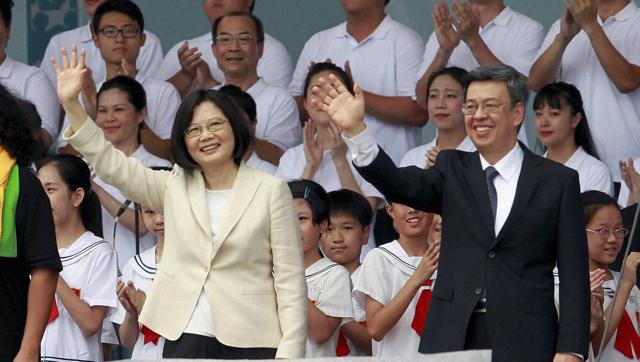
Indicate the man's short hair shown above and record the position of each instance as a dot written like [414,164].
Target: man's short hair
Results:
[516,82]
[126,7]
[256,22]
[5,11]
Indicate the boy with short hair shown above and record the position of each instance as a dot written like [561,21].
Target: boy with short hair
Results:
[349,227]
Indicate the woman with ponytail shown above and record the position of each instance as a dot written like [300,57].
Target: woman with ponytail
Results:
[86,284]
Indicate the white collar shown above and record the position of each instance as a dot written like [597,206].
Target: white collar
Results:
[379,33]
[257,88]
[507,165]
[6,68]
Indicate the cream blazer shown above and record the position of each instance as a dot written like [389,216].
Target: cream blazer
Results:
[252,271]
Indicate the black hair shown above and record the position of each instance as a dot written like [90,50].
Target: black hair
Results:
[136,94]
[243,99]
[256,22]
[15,131]
[348,202]
[552,96]
[327,67]
[386,2]
[315,195]
[237,119]
[593,201]
[34,122]
[457,74]
[5,11]
[126,7]
[76,174]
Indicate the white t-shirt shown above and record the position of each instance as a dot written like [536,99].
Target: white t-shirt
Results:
[613,116]
[277,115]
[125,239]
[257,163]
[275,65]
[416,156]
[89,266]
[30,83]
[202,322]
[359,314]
[385,63]
[149,58]
[593,173]
[141,270]
[384,272]
[624,190]
[329,288]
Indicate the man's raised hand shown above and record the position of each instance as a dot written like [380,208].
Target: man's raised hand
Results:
[344,108]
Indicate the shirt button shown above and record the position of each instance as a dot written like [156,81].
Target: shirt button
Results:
[478,291]
[205,269]
[492,254]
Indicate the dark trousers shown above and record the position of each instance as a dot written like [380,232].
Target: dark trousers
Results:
[477,332]
[196,346]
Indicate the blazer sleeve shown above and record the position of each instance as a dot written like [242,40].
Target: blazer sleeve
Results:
[412,186]
[288,273]
[573,270]
[137,182]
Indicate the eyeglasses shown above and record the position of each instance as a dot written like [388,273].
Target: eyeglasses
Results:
[604,234]
[242,39]
[196,130]
[470,109]
[130,31]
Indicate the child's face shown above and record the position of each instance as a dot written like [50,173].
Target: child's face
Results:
[435,233]
[603,251]
[410,222]
[64,203]
[154,222]
[310,233]
[345,238]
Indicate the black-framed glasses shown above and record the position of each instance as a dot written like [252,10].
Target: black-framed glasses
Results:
[470,109]
[604,234]
[129,31]
[213,126]
[242,39]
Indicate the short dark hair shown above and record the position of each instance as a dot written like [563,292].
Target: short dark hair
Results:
[348,202]
[126,7]
[5,11]
[327,67]
[34,122]
[256,22]
[593,201]
[315,195]
[552,96]
[457,74]
[243,99]
[15,133]
[386,2]
[136,94]
[237,120]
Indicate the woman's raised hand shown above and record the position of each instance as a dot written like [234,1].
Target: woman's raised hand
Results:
[71,75]
[344,108]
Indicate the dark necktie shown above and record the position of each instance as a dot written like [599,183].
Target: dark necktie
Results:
[490,173]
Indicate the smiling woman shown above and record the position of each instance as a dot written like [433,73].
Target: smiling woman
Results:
[231,282]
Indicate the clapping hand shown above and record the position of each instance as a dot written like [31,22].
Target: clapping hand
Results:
[132,299]
[71,76]
[568,26]
[431,156]
[630,268]
[344,108]
[448,37]
[584,12]
[429,263]
[467,20]
[631,178]
[190,59]
[312,151]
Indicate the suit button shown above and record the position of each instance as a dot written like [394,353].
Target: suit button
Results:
[478,291]
[492,254]
[205,269]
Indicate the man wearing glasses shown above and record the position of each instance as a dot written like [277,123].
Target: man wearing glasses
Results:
[508,217]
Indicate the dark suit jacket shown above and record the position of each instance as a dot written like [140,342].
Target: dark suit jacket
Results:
[545,225]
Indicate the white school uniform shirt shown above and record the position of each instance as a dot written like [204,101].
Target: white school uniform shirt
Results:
[141,270]
[257,163]
[125,239]
[613,116]
[385,271]
[384,63]
[275,64]
[163,101]
[329,288]
[593,173]
[416,156]
[89,265]
[31,84]
[359,314]
[624,190]
[148,61]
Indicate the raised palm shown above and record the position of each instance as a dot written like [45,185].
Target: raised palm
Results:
[71,75]
[344,108]
[448,38]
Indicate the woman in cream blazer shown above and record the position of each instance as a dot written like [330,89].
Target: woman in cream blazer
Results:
[248,267]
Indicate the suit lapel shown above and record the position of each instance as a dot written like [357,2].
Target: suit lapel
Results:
[478,188]
[527,183]
[198,200]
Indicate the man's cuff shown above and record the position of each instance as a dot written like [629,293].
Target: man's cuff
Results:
[363,148]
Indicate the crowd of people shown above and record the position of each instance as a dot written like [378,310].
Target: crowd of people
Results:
[217,201]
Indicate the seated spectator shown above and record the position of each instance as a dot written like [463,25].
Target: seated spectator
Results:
[445,97]
[148,62]
[328,285]
[27,82]
[594,46]
[562,127]
[181,64]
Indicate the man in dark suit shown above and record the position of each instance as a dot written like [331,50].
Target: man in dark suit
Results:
[508,217]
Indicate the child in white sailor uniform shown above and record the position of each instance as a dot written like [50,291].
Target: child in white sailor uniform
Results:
[395,282]
[137,276]
[86,284]
[328,283]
